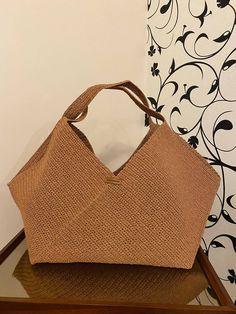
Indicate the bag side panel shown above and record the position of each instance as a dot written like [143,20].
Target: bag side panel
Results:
[58,187]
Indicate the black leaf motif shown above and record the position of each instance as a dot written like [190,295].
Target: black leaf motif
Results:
[223,125]
[175,85]
[232,272]
[188,93]
[228,200]
[228,64]
[214,86]
[231,279]
[222,3]
[155,71]
[183,37]
[232,276]
[182,130]
[153,102]
[227,217]
[160,108]
[216,244]
[172,67]
[202,35]
[175,109]
[213,218]
[225,36]
[193,141]
[165,7]
[151,51]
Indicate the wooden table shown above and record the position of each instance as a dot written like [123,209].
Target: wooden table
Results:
[103,288]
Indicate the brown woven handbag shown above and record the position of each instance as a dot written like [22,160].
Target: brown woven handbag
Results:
[151,211]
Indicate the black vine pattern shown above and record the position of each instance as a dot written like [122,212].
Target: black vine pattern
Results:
[232,276]
[197,102]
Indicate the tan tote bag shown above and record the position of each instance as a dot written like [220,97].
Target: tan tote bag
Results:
[150,211]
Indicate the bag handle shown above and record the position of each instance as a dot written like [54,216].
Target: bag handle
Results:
[80,106]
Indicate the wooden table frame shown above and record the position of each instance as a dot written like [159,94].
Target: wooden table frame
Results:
[23,305]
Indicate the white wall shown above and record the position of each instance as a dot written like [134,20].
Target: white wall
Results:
[50,51]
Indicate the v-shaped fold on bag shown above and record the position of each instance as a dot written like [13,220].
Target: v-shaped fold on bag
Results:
[75,209]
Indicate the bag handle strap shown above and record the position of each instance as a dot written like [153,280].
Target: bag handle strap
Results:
[80,106]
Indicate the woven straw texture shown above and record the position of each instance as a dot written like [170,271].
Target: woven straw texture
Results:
[106,283]
[75,209]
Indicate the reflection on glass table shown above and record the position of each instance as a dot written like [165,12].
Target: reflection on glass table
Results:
[83,282]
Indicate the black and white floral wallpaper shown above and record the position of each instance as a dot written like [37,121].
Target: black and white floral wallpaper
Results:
[191,80]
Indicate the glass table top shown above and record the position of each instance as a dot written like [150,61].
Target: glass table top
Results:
[84,282]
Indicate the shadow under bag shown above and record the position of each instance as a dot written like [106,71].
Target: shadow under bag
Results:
[150,211]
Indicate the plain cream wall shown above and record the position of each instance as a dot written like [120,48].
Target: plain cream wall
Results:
[50,51]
